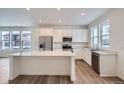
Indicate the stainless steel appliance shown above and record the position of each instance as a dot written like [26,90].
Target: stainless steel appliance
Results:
[46,43]
[95,62]
[67,44]
[67,47]
[67,39]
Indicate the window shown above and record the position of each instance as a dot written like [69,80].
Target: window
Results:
[5,40]
[26,40]
[94,36]
[15,40]
[100,35]
[104,34]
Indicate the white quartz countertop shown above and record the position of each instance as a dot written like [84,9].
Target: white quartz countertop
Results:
[105,52]
[44,53]
[102,52]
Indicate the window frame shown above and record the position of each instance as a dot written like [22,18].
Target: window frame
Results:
[99,39]
[106,22]
[22,49]
[10,40]
[92,36]
[5,40]
[19,49]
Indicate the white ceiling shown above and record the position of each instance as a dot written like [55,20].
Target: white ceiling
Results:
[49,16]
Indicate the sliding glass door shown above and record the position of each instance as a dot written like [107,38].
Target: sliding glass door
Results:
[15,40]
[5,40]
[26,40]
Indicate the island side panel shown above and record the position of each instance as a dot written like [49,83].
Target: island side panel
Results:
[45,65]
[14,67]
[108,65]
[72,68]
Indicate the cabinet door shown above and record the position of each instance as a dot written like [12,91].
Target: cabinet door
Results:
[67,32]
[88,57]
[74,34]
[83,54]
[85,35]
[77,35]
[78,51]
[58,35]
[46,32]
[80,35]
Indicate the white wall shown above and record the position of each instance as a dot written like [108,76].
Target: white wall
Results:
[116,19]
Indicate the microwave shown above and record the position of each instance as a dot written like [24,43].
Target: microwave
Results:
[67,39]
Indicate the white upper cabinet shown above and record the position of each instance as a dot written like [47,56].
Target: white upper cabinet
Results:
[79,35]
[85,35]
[67,32]
[46,32]
[60,33]
[57,35]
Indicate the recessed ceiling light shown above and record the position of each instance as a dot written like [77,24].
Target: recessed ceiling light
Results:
[27,9]
[58,9]
[60,21]
[40,21]
[82,13]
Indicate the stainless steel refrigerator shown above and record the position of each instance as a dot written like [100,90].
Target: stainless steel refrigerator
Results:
[46,43]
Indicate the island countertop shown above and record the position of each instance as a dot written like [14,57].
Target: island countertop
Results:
[44,53]
[42,63]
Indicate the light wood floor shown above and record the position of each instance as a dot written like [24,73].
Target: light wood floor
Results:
[84,75]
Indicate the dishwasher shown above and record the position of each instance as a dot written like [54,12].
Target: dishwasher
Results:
[96,62]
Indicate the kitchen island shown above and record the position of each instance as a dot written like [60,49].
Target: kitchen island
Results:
[42,63]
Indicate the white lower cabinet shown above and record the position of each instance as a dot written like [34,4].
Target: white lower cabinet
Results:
[104,63]
[78,53]
[78,50]
[86,55]
[120,64]
[108,65]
